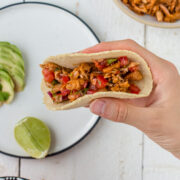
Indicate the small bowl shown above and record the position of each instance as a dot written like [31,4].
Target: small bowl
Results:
[146,19]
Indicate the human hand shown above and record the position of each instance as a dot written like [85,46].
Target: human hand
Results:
[158,115]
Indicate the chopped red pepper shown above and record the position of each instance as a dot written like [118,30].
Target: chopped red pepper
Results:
[101,82]
[100,65]
[134,89]
[124,60]
[90,91]
[65,79]
[48,75]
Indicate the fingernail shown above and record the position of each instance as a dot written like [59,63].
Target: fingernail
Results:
[98,106]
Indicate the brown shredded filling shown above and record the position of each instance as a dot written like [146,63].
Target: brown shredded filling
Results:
[116,74]
[163,10]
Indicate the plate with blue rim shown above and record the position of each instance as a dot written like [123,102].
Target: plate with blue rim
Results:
[41,30]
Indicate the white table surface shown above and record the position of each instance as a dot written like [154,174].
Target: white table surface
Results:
[112,151]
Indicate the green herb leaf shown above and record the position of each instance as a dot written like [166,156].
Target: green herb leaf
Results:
[85,90]
[110,61]
[1,87]
[54,82]
[77,92]
[4,96]
[57,69]
[54,94]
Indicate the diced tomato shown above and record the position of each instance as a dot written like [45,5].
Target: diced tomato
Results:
[48,75]
[65,79]
[134,89]
[100,65]
[101,82]
[65,92]
[45,71]
[90,91]
[134,68]
[74,91]
[124,60]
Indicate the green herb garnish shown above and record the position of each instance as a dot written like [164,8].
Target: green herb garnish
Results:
[99,82]
[77,92]
[54,82]
[85,90]
[0,87]
[4,96]
[57,69]
[54,94]
[110,61]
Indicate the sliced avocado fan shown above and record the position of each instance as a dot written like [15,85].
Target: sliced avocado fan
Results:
[6,88]
[11,61]
[11,46]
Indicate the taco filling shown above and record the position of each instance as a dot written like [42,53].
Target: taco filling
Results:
[113,74]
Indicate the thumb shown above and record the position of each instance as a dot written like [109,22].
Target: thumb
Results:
[116,110]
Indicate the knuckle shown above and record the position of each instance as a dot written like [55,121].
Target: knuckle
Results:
[130,41]
[171,66]
[103,43]
[169,71]
[115,111]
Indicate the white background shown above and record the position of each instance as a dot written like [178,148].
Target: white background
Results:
[112,151]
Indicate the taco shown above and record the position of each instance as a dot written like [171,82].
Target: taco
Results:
[74,80]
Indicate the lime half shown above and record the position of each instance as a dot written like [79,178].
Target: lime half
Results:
[33,136]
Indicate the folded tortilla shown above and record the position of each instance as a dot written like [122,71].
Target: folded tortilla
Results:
[72,60]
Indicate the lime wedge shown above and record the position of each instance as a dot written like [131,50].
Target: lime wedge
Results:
[33,136]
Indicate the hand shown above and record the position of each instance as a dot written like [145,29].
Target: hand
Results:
[158,115]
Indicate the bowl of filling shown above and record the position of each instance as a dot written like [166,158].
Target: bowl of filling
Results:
[157,13]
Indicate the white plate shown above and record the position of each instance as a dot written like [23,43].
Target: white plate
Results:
[146,19]
[41,30]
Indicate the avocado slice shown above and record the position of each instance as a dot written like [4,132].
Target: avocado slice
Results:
[17,77]
[12,62]
[12,55]
[7,85]
[11,46]
[7,61]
